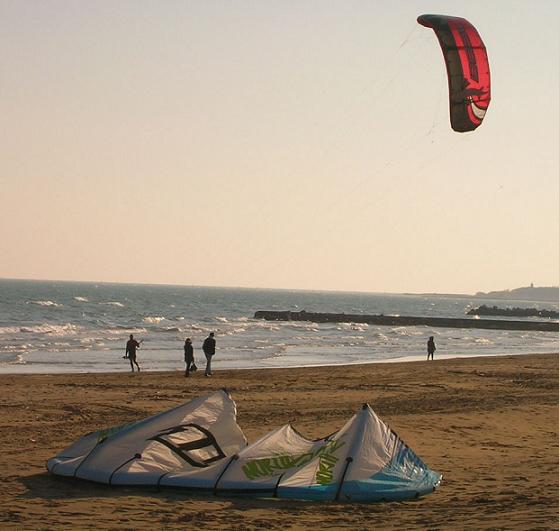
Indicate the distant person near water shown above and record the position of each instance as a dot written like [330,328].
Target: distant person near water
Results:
[131,346]
[431,348]
[189,357]
[209,350]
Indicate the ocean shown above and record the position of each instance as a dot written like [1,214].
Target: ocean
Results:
[69,327]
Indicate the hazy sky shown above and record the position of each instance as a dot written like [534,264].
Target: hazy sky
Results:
[286,143]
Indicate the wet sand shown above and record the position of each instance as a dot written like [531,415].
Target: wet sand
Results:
[489,425]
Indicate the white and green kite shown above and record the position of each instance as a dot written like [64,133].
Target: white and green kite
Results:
[199,446]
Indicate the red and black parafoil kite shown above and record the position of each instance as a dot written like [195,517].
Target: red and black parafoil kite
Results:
[467,67]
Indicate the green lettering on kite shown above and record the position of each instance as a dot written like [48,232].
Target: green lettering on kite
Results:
[270,466]
[104,434]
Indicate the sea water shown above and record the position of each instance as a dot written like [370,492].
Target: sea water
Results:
[61,327]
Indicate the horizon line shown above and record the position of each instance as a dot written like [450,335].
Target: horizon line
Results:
[232,287]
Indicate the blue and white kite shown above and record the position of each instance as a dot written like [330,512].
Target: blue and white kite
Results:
[199,446]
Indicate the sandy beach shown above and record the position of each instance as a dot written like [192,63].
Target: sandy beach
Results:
[489,425]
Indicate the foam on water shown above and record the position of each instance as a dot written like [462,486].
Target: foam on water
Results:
[44,303]
[53,329]
[152,320]
[9,329]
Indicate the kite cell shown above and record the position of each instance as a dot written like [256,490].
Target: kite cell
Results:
[199,447]
[467,67]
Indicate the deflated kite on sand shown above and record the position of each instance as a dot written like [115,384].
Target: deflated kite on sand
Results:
[198,446]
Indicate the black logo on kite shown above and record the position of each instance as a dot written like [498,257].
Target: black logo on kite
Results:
[192,443]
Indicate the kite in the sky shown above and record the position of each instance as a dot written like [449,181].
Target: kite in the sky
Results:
[467,68]
[199,447]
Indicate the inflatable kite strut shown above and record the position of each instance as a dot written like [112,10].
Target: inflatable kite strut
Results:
[467,67]
[198,446]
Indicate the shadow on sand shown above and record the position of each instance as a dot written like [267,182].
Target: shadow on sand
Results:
[55,488]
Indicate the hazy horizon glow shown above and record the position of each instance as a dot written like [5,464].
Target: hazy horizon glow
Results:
[296,145]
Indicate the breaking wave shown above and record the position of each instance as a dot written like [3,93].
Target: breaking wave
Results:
[44,303]
[56,330]
[153,320]
[9,329]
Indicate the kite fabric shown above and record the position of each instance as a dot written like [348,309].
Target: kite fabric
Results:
[467,67]
[199,447]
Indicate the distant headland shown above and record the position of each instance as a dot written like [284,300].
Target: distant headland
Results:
[529,293]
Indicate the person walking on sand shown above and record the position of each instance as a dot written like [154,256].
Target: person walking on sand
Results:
[209,350]
[189,356]
[131,346]
[431,348]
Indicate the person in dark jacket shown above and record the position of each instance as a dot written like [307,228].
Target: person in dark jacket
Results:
[209,350]
[188,356]
[131,346]
[431,348]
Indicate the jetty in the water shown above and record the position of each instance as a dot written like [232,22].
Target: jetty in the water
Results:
[513,312]
[400,320]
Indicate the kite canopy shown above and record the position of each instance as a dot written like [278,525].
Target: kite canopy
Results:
[467,68]
[199,446]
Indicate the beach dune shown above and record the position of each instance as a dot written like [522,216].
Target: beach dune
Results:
[489,425]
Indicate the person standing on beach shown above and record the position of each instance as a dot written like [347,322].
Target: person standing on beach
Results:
[188,356]
[209,350]
[431,348]
[131,346]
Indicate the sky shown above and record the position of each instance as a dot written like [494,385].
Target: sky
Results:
[299,144]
